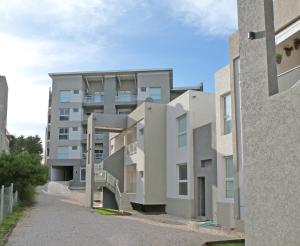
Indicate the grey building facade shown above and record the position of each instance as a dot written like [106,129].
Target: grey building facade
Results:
[77,95]
[4,143]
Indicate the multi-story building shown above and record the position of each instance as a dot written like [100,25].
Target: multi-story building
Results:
[230,144]
[77,95]
[4,142]
[152,158]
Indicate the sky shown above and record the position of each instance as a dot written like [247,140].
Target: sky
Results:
[42,36]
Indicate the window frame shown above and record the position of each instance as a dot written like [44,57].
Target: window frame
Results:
[64,98]
[229,179]
[154,96]
[182,181]
[65,133]
[182,133]
[63,113]
[227,118]
[81,180]
[66,154]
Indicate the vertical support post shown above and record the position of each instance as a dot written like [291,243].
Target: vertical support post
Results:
[2,204]
[11,197]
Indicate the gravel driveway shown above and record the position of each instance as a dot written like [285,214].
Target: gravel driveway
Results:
[56,221]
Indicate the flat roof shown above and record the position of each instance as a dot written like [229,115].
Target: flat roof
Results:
[108,72]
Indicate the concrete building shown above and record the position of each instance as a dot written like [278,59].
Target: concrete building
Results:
[270,97]
[231,211]
[140,172]
[191,157]
[77,95]
[4,142]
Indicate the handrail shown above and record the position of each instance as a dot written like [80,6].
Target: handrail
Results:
[289,79]
[291,70]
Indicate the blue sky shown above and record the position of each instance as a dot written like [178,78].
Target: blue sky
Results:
[42,36]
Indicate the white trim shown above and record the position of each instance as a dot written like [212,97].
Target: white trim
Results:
[287,32]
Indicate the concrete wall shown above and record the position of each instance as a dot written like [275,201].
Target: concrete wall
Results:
[205,149]
[3,114]
[199,108]
[270,125]
[224,148]
[285,11]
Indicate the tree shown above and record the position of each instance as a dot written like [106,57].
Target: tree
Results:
[31,144]
[25,171]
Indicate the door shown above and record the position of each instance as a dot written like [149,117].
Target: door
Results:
[201,196]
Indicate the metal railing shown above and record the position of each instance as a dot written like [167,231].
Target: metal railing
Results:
[93,99]
[109,180]
[131,148]
[289,78]
[126,98]
[7,200]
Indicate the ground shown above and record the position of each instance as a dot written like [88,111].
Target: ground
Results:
[59,220]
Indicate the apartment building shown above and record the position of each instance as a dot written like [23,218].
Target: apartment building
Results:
[75,96]
[143,171]
[4,142]
[231,202]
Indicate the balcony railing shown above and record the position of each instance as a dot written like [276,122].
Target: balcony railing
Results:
[93,99]
[98,156]
[289,79]
[126,98]
[131,148]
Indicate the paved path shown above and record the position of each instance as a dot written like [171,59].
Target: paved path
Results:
[55,221]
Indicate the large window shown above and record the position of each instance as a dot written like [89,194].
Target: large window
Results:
[63,152]
[227,114]
[98,154]
[64,114]
[63,134]
[155,93]
[182,180]
[182,128]
[82,174]
[65,96]
[229,177]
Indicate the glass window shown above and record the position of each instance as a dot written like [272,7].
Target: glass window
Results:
[182,180]
[98,154]
[75,129]
[75,110]
[64,114]
[63,133]
[82,174]
[63,152]
[143,89]
[76,91]
[227,114]
[182,130]
[65,96]
[229,177]
[74,147]
[155,93]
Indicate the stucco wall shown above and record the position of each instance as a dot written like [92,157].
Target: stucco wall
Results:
[3,113]
[270,127]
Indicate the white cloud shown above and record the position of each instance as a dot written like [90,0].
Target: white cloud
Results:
[210,17]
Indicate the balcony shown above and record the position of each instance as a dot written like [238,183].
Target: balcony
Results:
[93,100]
[99,137]
[289,79]
[126,97]
[131,148]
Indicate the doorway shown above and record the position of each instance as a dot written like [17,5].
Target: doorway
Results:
[201,196]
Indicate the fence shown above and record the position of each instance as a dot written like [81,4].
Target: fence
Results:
[7,200]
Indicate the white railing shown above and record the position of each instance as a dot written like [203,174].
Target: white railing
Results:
[289,79]
[110,181]
[93,99]
[131,148]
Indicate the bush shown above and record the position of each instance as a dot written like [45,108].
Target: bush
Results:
[25,171]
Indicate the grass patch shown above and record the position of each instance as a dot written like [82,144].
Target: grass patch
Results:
[9,223]
[108,211]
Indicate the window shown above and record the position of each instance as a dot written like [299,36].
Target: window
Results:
[63,133]
[75,129]
[82,174]
[229,177]
[74,147]
[206,163]
[124,112]
[64,114]
[98,154]
[143,89]
[76,91]
[182,134]
[75,110]
[227,114]
[141,131]
[182,180]
[64,96]
[63,152]
[155,93]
